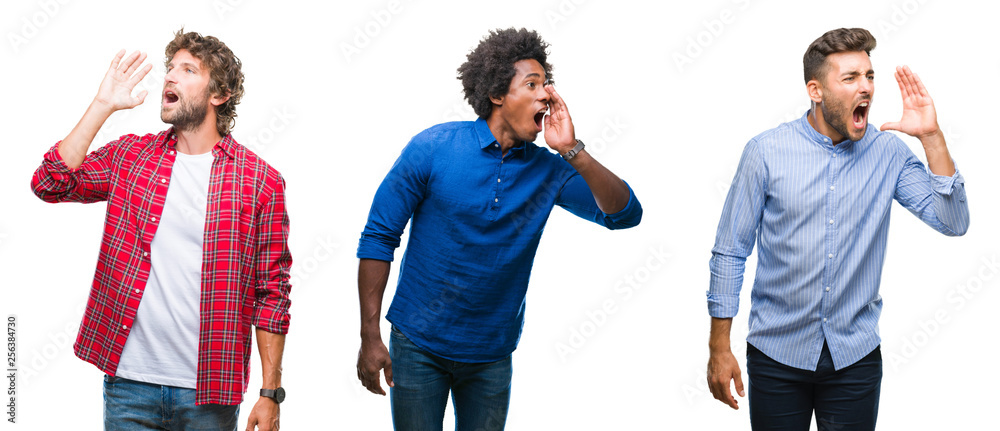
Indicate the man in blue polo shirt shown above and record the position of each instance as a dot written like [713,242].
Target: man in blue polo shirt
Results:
[479,194]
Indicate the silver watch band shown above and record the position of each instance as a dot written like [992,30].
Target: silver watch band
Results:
[572,153]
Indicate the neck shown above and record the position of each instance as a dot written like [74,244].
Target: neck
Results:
[502,132]
[198,141]
[820,125]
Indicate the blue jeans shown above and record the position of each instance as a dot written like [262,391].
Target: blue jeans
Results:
[131,405]
[422,381]
[784,397]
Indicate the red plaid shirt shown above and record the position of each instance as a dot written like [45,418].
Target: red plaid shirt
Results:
[245,264]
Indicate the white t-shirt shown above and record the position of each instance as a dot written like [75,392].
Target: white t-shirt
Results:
[162,347]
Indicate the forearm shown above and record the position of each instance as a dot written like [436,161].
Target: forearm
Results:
[938,157]
[718,339]
[373,275]
[73,149]
[271,346]
[610,192]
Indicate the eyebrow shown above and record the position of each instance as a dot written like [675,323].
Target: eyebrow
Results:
[856,73]
[532,75]
[186,63]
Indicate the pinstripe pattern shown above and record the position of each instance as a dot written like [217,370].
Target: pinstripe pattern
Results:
[245,262]
[820,216]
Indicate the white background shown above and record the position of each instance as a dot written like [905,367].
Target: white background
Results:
[333,122]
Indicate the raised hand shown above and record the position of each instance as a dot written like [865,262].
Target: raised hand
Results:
[559,133]
[116,89]
[919,117]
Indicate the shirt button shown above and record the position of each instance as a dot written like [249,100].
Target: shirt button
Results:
[827,288]
[145,254]
[831,188]
[830,255]
[171,152]
[831,221]
[154,219]
[498,180]
[163,180]
[496,200]
[496,145]
[835,156]
[125,327]
[137,291]
[824,320]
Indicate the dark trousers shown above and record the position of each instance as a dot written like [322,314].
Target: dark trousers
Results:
[784,397]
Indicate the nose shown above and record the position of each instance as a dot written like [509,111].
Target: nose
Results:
[542,94]
[867,86]
[170,77]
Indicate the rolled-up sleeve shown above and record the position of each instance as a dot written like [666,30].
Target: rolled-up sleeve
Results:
[737,233]
[939,201]
[273,263]
[575,196]
[54,181]
[395,201]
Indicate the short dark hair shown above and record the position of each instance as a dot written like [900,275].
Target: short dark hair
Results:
[489,68]
[225,69]
[832,42]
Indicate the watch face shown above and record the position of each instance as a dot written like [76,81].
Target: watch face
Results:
[279,395]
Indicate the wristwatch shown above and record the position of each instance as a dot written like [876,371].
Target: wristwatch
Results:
[278,395]
[572,153]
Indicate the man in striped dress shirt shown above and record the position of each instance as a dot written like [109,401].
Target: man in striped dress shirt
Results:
[814,194]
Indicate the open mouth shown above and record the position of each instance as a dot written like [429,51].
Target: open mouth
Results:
[860,116]
[540,118]
[169,97]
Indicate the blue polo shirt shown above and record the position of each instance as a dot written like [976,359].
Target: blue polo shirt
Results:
[477,217]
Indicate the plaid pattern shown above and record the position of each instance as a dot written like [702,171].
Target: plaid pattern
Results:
[245,265]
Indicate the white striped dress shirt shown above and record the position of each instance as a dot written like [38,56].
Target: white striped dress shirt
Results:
[820,216]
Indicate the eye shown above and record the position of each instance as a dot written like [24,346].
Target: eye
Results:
[189,70]
[849,79]
[531,85]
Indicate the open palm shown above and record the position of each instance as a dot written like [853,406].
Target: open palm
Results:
[919,117]
[121,79]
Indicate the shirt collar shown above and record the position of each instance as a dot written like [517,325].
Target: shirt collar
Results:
[227,145]
[823,140]
[485,136]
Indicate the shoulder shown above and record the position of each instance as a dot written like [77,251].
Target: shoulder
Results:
[254,168]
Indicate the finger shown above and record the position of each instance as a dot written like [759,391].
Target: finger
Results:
[135,64]
[117,59]
[738,378]
[556,102]
[139,98]
[893,125]
[141,74]
[917,83]
[901,80]
[388,374]
[127,62]
[251,422]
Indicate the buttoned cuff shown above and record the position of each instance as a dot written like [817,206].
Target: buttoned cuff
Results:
[723,306]
[945,185]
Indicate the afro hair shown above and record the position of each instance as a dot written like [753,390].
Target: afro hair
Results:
[489,68]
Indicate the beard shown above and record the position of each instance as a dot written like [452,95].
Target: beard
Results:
[837,114]
[188,114]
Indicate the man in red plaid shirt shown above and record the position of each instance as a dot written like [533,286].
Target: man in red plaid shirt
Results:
[194,252]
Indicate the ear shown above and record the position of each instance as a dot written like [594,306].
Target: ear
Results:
[219,100]
[498,101]
[815,90]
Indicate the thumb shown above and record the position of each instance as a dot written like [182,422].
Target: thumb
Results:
[141,97]
[388,374]
[737,377]
[889,126]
